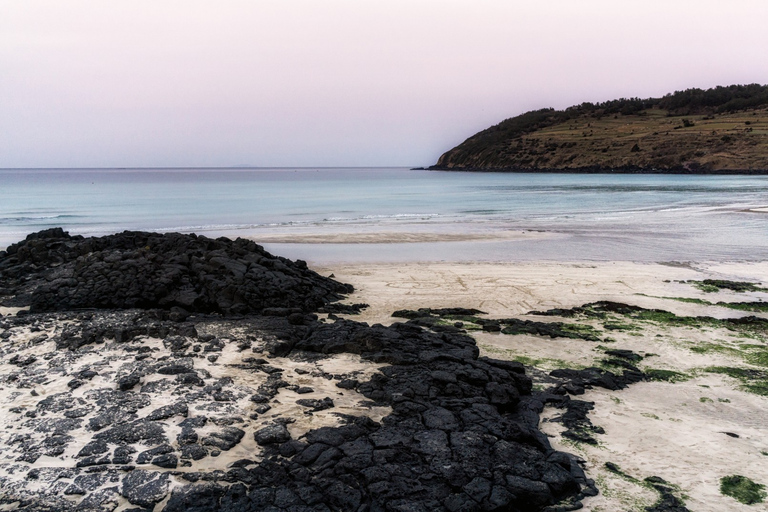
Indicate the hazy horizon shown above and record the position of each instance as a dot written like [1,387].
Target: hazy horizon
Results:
[336,84]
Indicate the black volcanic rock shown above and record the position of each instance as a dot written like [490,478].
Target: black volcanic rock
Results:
[224,439]
[343,309]
[127,382]
[145,488]
[52,271]
[462,431]
[272,434]
[462,435]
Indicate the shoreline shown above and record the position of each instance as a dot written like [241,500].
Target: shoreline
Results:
[602,170]
[399,237]
[363,236]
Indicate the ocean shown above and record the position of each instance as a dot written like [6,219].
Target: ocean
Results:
[445,216]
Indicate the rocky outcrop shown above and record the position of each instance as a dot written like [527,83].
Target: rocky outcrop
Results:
[148,405]
[461,433]
[53,271]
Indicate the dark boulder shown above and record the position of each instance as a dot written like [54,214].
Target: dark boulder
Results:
[272,434]
[145,488]
[133,432]
[224,439]
[316,404]
[167,411]
[128,382]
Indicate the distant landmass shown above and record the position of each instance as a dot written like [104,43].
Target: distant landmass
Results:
[723,130]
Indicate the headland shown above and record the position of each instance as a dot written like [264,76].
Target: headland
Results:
[723,130]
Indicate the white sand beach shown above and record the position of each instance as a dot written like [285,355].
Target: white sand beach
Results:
[675,431]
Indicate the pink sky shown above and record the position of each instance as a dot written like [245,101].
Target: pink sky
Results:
[336,82]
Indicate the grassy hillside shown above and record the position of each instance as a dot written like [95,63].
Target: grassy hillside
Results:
[718,130]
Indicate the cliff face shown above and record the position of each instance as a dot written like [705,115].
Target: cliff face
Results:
[667,134]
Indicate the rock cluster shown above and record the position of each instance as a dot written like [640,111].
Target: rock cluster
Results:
[53,271]
[437,319]
[462,436]
[139,413]
[173,408]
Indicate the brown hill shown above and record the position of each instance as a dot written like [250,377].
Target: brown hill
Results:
[720,130]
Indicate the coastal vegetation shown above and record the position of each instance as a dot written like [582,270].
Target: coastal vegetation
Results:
[742,489]
[715,285]
[746,343]
[666,375]
[752,381]
[723,129]
[669,495]
[758,306]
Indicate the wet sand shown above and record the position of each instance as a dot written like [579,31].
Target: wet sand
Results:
[395,237]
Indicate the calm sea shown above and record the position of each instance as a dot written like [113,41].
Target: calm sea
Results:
[594,217]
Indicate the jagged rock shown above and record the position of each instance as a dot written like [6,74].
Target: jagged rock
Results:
[193,451]
[272,434]
[123,454]
[425,312]
[94,448]
[167,411]
[187,436]
[147,455]
[168,461]
[344,309]
[128,382]
[224,439]
[315,404]
[145,488]
[22,361]
[625,354]
[347,383]
[131,433]
[576,381]
[87,374]
[175,369]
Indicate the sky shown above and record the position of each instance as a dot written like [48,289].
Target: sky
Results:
[189,83]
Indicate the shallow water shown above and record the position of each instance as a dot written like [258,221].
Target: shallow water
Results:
[595,217]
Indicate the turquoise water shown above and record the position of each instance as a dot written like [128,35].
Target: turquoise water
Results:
[595,217]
